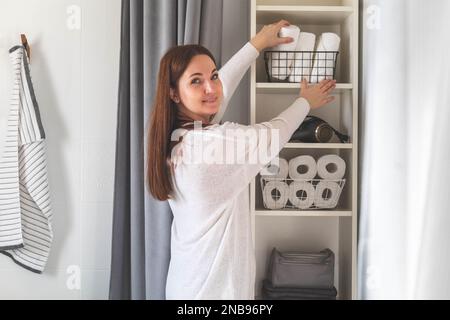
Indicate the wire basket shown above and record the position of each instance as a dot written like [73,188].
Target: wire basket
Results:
[300,194]
[293,66]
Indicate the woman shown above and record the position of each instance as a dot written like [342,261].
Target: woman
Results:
[212,254]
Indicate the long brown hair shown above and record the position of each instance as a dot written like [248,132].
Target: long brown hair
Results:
[165,118]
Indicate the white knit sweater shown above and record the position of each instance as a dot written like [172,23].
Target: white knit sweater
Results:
[212,253]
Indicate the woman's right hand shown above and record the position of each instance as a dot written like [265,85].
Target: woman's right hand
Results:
[268,36]
[317,95]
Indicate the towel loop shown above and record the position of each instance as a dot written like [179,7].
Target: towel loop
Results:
[25,43]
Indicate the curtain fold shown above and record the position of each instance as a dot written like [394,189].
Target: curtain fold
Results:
[141,224]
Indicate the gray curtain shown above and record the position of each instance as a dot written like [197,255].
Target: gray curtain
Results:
[141,225]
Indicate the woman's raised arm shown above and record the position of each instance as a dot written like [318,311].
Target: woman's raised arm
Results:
[233,71]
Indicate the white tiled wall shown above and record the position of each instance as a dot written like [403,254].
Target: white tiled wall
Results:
[75,75]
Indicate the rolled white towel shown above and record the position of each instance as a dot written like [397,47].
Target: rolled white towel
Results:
[324,62]
[281,189]
[303,161]
[331,167]
[277,168]
[280,62]
[301,67]
[308,194]
[327,194]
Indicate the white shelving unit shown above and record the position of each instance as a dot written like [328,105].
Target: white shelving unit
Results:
[311,230]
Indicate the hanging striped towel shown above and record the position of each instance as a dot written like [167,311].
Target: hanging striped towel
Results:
[25,209]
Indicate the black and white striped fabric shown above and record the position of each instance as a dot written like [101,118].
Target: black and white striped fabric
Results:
[25,207]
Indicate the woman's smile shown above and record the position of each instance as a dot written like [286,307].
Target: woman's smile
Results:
[210,100]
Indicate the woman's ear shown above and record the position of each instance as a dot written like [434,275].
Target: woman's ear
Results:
[173,96]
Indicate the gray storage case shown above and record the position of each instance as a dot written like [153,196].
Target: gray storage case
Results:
[301,269]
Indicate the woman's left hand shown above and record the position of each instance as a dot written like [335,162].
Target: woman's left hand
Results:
[268,36]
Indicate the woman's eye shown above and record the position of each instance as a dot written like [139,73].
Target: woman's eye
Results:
[215,77]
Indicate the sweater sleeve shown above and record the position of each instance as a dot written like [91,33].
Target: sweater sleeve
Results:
[232,73]
[219,179]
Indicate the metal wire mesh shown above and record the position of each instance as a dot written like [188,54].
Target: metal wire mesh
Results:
[313,194]
[293,66]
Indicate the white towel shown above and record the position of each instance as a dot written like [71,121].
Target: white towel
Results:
[279,63]
[308,194]
[301,67]
[302,161]
[278,168]
[281,191]
[327,194]
[331,167]
[324,62]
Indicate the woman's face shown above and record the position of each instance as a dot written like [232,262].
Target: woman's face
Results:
[200,89]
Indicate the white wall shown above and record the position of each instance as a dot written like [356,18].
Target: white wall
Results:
[75,75]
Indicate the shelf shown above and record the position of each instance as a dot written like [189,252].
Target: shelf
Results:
[303,14]
[293,228]
[294,213]
[291,88]
[319,146]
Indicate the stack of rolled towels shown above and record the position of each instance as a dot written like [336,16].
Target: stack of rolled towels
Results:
[300,276]
[307,61]
[324,194]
